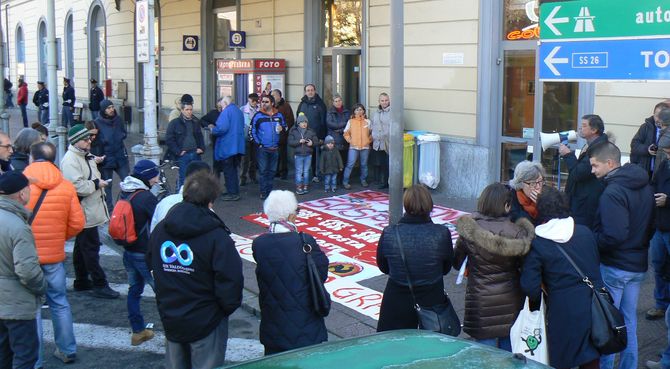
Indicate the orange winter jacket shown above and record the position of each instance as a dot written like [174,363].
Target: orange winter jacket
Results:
[357,133]
[60,216]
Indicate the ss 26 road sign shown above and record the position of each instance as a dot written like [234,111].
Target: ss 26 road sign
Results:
[604,19]
[643,59]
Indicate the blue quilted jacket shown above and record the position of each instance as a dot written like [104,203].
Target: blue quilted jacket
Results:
[287,320]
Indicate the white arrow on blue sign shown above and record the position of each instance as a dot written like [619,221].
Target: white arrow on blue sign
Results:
[630,59]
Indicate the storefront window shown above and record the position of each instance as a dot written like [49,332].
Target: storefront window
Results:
[225,20]
[521,20]
[518,93]
[343,20]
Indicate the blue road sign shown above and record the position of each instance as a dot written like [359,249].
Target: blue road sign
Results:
[628,59]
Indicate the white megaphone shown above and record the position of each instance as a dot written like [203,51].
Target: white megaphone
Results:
[550,139]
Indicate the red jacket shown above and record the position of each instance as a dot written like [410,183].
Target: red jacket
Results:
[60,216]
[22,96]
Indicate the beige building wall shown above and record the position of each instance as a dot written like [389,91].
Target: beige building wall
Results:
[275,29]
[439,97]
[625,105]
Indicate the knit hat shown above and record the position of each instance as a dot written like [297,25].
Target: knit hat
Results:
[664,140]
[186,99]
[77,133]
[145,169]
[12,182]
[196,166]
[104,104]
[329,139]
[302,118]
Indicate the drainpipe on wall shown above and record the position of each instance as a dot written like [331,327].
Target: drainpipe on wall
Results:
[397,107]
[3,113]
[9,69]
[151,150]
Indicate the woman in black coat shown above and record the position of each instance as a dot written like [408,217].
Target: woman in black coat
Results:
[568,297]
[336,120]
[429,254]
[287,319]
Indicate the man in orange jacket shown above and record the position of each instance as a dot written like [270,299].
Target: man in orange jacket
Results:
[57,218]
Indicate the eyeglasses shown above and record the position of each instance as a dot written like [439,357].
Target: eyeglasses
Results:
[8,146]
[266,102]
[538,183]
[89,139]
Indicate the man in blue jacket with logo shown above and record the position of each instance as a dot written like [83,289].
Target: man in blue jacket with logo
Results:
[229,148]
[265,128]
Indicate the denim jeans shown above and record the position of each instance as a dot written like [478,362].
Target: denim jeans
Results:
[183,161]
[95,114]
[659,250]
[108,173]
[44,116]
[18,344]
[24,114]
[502,343]
[302,163]
[625,289]
[329,181]
[267,165]
[229,166]
[138,276]
[351,160]
[59,307]
[67,116]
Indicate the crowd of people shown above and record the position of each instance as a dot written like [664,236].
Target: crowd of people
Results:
[512,247]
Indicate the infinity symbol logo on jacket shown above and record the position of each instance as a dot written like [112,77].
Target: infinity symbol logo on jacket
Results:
[176,253]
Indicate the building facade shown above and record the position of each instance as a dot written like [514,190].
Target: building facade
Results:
[470,67]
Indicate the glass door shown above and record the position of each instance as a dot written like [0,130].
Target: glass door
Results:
[341,74]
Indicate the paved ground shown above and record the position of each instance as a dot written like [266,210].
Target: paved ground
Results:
[103,316]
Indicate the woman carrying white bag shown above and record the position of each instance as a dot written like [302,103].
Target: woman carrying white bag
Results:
[568,299]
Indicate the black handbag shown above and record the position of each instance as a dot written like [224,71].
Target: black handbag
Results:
[440,318]
[608,328]
[318,294]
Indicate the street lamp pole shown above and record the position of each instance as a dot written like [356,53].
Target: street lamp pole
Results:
[397,109]
[151,150]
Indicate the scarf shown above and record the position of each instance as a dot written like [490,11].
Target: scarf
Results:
[282,226]
[528,205]
[340,109]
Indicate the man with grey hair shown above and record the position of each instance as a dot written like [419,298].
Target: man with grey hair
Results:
[230,145]
[6,151]
[582,187]
[22,281]
[528,180]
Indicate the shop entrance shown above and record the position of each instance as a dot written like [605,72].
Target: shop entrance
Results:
[341,74]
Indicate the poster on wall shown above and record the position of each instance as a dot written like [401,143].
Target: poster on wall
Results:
[265,83]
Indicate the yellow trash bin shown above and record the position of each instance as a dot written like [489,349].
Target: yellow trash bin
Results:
[408,160]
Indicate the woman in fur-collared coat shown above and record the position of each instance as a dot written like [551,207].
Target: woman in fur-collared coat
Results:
[495,248]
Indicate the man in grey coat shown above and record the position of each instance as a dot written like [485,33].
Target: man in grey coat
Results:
[21,279]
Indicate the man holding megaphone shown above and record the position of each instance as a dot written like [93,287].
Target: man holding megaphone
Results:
[582,187]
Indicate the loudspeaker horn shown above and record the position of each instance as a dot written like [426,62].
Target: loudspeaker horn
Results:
[550,139]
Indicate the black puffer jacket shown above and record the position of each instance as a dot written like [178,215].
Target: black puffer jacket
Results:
[428,251]
[196,291]
[582,187]
[624,219]
[336,122]
[661,184]
[639,145]
[495,248]
[287,319]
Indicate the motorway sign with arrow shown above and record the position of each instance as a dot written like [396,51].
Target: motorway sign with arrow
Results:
[596,40]
[604,18]
[644,59]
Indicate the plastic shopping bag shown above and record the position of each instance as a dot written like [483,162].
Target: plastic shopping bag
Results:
[529,335]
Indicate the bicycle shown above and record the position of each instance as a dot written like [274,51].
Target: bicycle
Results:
[164,188]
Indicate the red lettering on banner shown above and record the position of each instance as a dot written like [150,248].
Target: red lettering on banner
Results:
[246,250]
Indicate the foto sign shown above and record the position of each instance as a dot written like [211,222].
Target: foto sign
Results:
[604,18]
[637,59]
[142,31]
